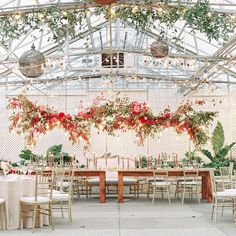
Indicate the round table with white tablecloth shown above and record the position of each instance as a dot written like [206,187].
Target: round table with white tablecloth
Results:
[12,188]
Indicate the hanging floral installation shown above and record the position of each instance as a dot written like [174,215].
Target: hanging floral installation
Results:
[109,116]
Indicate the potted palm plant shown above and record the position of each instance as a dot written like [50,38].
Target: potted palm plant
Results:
[219,157]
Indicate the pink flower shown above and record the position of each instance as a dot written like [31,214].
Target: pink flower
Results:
[42,108]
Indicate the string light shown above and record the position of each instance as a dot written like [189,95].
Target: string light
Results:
[40,16]
[112,12]
[64,13]
[17,16]
[134,9]
[209,14]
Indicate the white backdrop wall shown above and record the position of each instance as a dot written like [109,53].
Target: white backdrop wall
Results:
[122,143]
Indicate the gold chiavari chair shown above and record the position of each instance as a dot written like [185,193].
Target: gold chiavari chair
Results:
[161,183]
[40,203]
[225,180]
[3,213]
[191,182]
[221,199]
[62,194]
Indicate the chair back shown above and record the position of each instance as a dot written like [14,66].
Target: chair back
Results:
[190,172]
[213,183]
[226,176]
[63,178]
[44,182]
[164,158]
[227,171]
[160,174]
[111,162]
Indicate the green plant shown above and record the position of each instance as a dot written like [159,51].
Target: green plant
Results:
[219,156]
[65,21]
[56,150]
[191,156]
[142,162]
[27,154]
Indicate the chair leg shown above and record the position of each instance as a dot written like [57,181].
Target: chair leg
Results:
[153,194]
[20,214]
[168,194]
[162,193]
[148,190]
[216,213]
[212,211]
[222,211]
[5,214]
[69,212]
[183,194]
[34,217]
[50,216]
[1,215]
[198,195]
[177,190]
[62,213]
[137,190]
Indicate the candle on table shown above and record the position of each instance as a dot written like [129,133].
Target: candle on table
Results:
[123,164]
[127,162]
[106,160]
[177,160]
[159,159]
[118,160]
[94,159]
[148,161]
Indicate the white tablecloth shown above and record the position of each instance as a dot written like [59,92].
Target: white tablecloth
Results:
[12,188]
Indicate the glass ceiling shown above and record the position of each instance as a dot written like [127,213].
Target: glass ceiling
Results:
[76,64]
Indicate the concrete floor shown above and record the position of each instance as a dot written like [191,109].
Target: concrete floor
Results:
[136,217]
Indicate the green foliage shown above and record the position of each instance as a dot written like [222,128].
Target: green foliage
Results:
[56,150]
[219,157]
[27,154]
[208,154]
[218,138]
[64,22]
[142,163]
[191,156]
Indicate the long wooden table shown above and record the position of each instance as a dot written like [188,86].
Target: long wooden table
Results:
[90,173]
[204,173]
[102,180]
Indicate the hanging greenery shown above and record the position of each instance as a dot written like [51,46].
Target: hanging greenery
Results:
[68,22]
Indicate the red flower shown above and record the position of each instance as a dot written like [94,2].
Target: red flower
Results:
[167,115]
[53,120]
[186,124]
[35,119]
[14,103]
[151,122]
[136,108]
[81,114]
[86,116]
[200,102]
[61,115]
[135,113]
[143,120]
